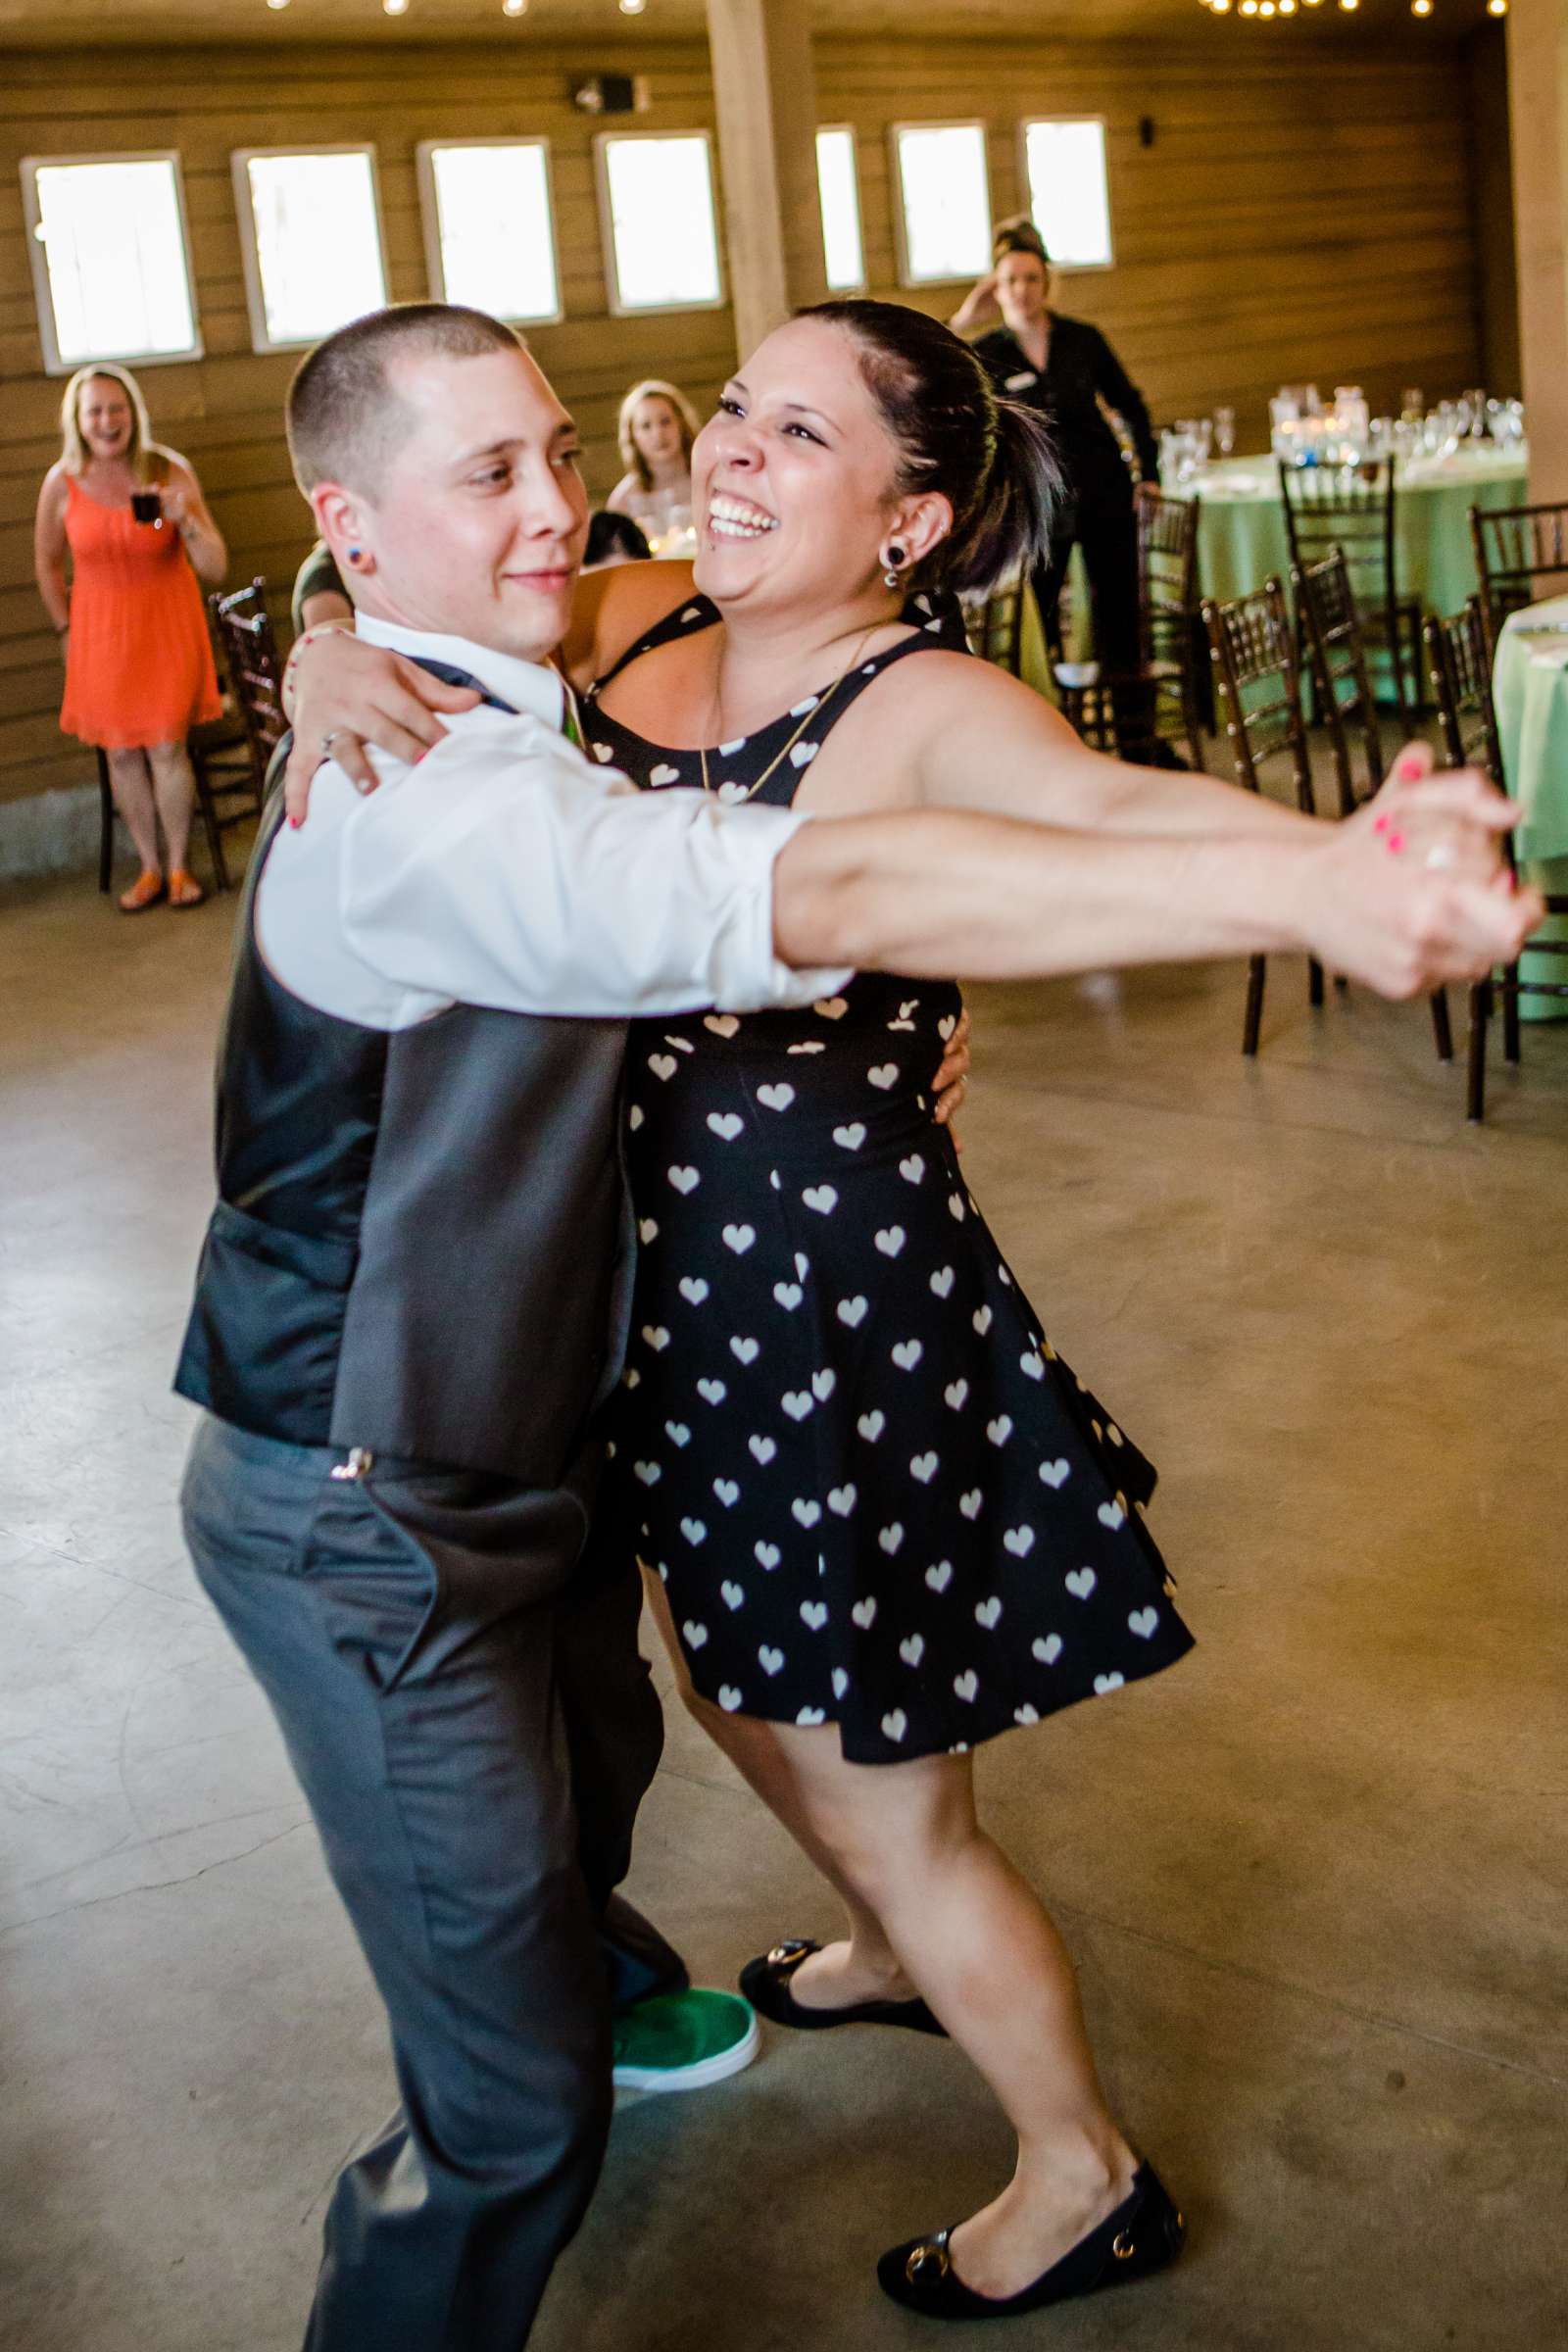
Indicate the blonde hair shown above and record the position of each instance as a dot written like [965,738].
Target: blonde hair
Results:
[148,461]
[652,388]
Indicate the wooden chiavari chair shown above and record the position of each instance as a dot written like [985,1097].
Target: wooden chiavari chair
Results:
[1259,698]
[1516,546]
[1329,623]
[1351,507]
[1253,648]
[995,625]
[1459,668]
[1169,624]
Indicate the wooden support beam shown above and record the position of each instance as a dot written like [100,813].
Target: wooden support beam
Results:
[765,90]
[1538,91]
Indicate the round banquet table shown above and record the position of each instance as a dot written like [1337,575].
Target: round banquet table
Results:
[1530,689]
[1242,537]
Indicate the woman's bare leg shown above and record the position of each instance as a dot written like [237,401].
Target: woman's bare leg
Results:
[175,787]
[863,1967]
[975,1939]
[131,788]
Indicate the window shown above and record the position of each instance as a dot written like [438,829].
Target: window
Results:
[656,197]
[944,208]
[839,187]
[488,231]
[111,262]
[311,234]
[1064,171]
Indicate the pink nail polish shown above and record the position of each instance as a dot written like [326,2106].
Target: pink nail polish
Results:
[1396,843]
[294,822]
[1409,770]
[1379,825]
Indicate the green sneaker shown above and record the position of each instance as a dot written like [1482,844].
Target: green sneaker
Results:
[684,2041]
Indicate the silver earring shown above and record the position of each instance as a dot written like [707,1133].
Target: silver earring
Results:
[895,564]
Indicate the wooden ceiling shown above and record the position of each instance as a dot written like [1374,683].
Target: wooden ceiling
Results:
[95,23]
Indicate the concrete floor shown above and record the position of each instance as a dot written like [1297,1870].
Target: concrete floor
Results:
[1314,1878]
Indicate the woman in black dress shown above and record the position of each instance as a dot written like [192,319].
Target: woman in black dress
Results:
[1066,371]
[886,1523]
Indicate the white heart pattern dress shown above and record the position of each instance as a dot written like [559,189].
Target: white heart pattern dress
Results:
[875,1494]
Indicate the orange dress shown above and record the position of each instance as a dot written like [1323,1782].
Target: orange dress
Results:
[140,665]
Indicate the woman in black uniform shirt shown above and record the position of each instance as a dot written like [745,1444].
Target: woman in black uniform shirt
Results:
[1065,367]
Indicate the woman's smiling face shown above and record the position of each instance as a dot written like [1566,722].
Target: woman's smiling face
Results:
[104,416]
[794,482]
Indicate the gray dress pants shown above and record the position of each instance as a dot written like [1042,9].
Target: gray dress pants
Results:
[473,1729]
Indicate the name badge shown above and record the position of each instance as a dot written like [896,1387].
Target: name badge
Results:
[1022,383]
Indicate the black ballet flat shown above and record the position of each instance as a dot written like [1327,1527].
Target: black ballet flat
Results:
[1143,2235]
[765,1983]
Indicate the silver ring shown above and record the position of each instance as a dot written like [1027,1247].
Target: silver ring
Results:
[329,739]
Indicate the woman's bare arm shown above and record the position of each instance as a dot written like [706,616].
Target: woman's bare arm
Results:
[968,736]
[612,609]
[187,509]
[935,892]
[49,549]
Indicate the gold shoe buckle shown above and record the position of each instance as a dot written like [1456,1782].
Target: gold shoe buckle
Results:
[932,2250]
[1122,2246]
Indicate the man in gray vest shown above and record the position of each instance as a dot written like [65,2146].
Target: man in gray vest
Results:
[413,1294]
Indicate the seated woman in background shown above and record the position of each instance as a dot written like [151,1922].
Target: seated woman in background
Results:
[657,427]
[139,670]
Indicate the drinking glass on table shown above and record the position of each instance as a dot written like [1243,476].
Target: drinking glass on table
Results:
[1412,406]
[1224,430]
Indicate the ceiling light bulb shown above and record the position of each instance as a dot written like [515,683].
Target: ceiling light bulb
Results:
[632,8]
[1496,8]
[1350,6]
[513,8]
[395,8]
[1265,7]
[1420,7]
[1286,8]
[277,3]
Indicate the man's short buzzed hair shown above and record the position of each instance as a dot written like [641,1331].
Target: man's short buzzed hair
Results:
[345,420]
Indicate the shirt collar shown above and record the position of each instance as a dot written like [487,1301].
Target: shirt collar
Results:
[529,686]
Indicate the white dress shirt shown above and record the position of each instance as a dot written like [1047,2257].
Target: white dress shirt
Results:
[507,870]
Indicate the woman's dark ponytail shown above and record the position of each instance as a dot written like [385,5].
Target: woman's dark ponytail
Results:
[991,459]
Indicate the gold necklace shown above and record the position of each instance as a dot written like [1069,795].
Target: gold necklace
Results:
[820,704]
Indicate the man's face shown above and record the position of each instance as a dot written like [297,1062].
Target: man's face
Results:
[477,527]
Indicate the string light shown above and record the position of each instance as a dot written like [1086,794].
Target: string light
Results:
[513,8]
[277,3]
[1420,7]
[632,8]
[395,8]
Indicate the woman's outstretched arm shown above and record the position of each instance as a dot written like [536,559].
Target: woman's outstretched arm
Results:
[1407,894]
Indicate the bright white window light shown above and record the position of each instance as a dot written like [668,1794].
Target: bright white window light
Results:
[489,236]
[311,232]
[944,201]
[839,188]
[661,232]
[1069,195]
[110,266]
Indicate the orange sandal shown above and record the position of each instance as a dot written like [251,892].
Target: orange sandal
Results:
[144,891]
[183,889]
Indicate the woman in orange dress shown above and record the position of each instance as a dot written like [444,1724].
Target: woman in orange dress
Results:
[139,669]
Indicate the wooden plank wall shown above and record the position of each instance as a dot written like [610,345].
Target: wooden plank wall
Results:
[1284,223]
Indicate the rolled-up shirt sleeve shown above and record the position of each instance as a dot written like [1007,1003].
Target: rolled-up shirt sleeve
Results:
[503,871]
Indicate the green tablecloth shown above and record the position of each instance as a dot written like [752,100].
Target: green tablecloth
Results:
[1530,689]
[1241,538]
